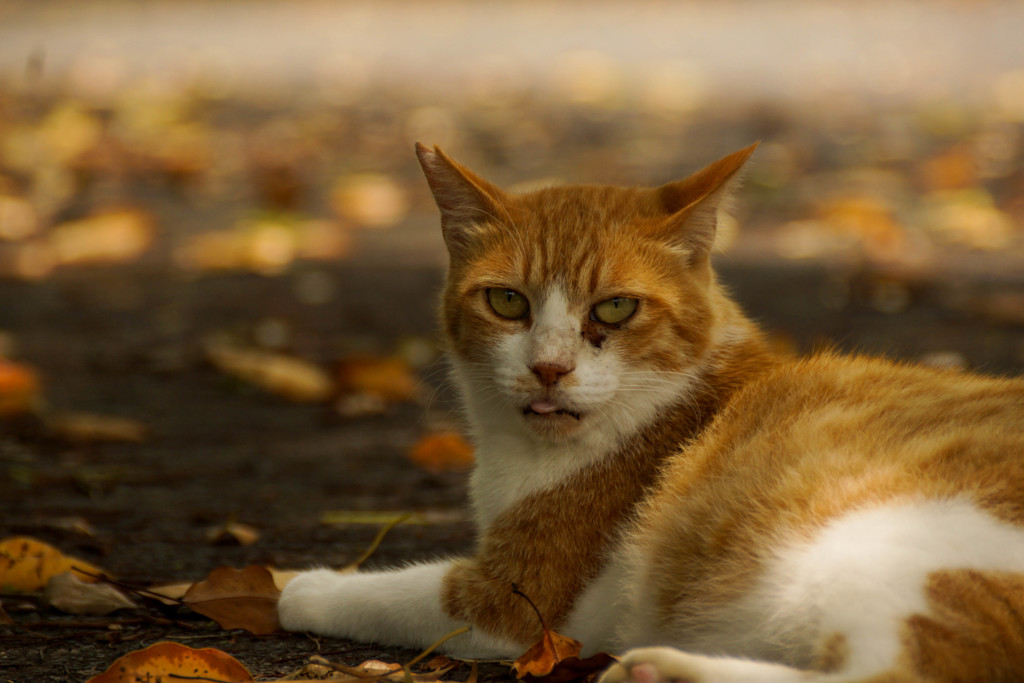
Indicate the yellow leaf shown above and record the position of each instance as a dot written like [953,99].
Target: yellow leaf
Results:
[27,564]
[90,428]
[110,236]
[292,378]
[171,661]
[370,200]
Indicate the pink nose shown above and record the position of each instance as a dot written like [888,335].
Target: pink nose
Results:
[550,373]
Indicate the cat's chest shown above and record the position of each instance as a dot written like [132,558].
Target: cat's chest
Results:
[511,467]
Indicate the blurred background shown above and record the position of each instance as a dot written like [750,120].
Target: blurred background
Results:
[225,135]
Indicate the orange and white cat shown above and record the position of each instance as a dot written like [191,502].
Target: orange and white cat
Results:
[654,476]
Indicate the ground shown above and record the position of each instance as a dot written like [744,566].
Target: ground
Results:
[221,450]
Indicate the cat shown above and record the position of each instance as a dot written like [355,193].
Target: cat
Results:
[665,485]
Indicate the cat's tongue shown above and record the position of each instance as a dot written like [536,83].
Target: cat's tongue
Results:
[543,407]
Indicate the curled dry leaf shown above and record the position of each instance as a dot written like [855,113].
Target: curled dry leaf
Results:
[541,659]
[91,428]
[70,594]
[237,598]
[555,658]
[27,564]
[386,377]
[442,451]
[292,378]
[19,388]
[170,661]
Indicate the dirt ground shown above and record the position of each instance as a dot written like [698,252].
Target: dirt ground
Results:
[126,341]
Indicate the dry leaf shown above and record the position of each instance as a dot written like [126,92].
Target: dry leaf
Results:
[112,236]
[442,451]
[18,219]
[19,388]
[91,428]
[28,565]
[5,620]
[70,594]
[377,666]
[286,376]
[233,533]
[237,598]
[555,658]
[168,661]
[545,654]
[574,669]
[388,377]
[267,245]
[370,200]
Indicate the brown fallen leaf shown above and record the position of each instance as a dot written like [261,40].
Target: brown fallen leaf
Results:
[27,564]
[70,594]
[387,377]
[92,428]
[168,661]
[237,598]
[442,451]
[286,376]
[19,388]
[541,659]
[5,620]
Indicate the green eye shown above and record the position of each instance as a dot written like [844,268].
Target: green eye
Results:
[614,311]
[508,303]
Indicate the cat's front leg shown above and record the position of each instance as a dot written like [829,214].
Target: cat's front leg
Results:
[669,665]
[396,607]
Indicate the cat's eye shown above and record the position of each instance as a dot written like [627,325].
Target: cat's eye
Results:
[508,303]
[614,311]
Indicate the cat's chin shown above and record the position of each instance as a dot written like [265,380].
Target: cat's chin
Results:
[554,425]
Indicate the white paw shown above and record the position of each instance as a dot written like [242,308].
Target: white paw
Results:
[668,665]
[304,603]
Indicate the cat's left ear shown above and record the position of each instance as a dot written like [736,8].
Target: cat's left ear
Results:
[693,203]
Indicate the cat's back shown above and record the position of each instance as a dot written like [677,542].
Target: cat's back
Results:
[814,438]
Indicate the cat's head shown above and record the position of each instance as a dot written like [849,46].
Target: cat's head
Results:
[578,310]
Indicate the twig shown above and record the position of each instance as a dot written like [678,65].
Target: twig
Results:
[129,587]
[439,643]
[350,670]
[378,538]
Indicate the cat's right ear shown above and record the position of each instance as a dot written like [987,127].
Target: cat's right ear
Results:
[464,198]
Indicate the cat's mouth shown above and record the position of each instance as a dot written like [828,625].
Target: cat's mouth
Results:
[544,408]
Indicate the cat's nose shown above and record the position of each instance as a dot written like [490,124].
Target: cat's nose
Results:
[550,373]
